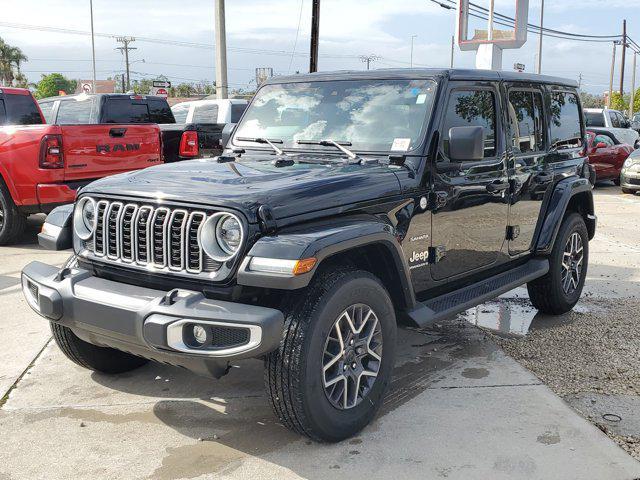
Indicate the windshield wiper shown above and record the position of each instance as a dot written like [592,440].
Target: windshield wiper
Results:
[265,141]
[332,143]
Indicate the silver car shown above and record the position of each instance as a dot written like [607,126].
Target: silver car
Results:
[630,175]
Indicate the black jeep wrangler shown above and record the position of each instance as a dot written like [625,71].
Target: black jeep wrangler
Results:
[343,204]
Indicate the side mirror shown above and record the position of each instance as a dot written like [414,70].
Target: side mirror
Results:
[600,145]
[227,132]
[56,233]
[466,144]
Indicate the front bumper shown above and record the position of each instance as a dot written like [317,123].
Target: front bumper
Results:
[630,180]
[152,323]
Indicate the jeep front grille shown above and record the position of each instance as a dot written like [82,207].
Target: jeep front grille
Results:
[151,237]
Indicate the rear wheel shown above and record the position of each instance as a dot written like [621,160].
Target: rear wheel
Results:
[329,375]
[627,190]
[12,222]
[87,355]
[616,181]
[560,289]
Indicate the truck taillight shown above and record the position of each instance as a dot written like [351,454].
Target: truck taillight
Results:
[189,144]
[51,152]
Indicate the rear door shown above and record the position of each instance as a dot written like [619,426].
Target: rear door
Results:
[94,151]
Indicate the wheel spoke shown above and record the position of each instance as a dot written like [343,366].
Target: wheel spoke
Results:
[335,380]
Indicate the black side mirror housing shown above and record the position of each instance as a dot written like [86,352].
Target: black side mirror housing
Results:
[227,132]
[466,144]
[57,232]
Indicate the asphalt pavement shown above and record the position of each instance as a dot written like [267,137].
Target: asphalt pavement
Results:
[458,408]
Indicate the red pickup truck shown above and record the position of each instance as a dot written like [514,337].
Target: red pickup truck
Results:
[42,166]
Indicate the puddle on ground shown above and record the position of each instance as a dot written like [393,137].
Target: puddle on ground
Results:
[508,316]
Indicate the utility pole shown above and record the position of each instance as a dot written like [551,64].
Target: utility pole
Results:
[624,51]
[633,86]
[93,50]
[453,49]
[125,41]
[613,68]
[540,39]
[580,80]
[368,59]
[315,36]
[222,86]
[412,38]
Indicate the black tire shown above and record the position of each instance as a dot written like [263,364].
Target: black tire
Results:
[92,357]
[616,181]
[547,293]
[627,191]
[12,222]
[294,372]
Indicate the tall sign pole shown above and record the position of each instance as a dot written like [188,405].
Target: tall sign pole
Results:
[315,36]
[540,39]
[613,69]
[633,86]
[222,88]
[93,50]
[624,51]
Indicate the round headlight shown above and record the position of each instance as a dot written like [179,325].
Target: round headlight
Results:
[84,218]
[221,236]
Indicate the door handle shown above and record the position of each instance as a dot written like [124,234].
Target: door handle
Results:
[117,132]
[497,186]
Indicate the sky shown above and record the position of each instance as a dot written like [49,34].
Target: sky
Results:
[275,34]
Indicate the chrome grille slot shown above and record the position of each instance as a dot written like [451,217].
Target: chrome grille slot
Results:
[101,208]
[194,252]
[150,238]
[175,239]
[126,232]
[112,230]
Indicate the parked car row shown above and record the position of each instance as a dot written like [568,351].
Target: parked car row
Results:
[51,148]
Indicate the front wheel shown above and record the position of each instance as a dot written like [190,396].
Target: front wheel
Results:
[329,375]
[559,290]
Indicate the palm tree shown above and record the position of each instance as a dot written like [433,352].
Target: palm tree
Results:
[10,60]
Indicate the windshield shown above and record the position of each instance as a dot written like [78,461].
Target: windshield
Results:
[368,115]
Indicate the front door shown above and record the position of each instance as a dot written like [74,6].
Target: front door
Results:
[471,198]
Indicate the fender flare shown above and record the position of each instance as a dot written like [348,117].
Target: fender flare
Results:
[6,179]
[562,194]
[322,241]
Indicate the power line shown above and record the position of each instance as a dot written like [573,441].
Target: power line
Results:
[295,43]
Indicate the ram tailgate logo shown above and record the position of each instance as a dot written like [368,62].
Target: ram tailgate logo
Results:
[118,147]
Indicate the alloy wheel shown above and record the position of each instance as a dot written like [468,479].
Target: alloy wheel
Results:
[352,356]
[572,261]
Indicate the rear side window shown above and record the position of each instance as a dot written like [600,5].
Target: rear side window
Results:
[47,111]
[180,112]
[3,115]
[237,109]
[525,115]
[594,119]
[615,119]
[565,128]
[468,108]
[205,113]
[72,112]
[21,110]
[159,112]
[125,110]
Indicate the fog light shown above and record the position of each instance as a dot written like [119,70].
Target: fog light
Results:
[199,334]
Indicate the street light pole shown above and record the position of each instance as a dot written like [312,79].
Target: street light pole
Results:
[633,86]
[624,51]
[412,38]
[540,39]
[613,68]
[93,50]
[222,87]
[453,49]
[315,36]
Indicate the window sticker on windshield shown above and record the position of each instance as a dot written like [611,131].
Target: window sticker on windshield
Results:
[401,144]
[420,99]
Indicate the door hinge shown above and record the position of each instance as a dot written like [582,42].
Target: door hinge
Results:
[437,253]
[513,232]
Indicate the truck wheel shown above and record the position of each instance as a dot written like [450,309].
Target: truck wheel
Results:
[559,290]
[98,359]
[12,222]
[328,377]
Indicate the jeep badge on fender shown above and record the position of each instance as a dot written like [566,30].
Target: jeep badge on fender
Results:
[364,176]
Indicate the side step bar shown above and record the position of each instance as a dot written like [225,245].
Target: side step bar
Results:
[450,304]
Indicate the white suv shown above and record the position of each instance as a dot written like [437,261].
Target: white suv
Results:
[614,120]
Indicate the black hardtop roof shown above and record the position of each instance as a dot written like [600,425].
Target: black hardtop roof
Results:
[87,95]
[452,73]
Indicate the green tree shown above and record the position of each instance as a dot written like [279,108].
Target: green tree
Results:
[50,85]
[10,60]
[618,102]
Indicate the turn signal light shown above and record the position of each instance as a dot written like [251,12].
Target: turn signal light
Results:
[51,152]
[304,266]
[189,144]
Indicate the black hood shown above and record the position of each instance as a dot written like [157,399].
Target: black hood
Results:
[245,185]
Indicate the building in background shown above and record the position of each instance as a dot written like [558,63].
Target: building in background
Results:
[102,86]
